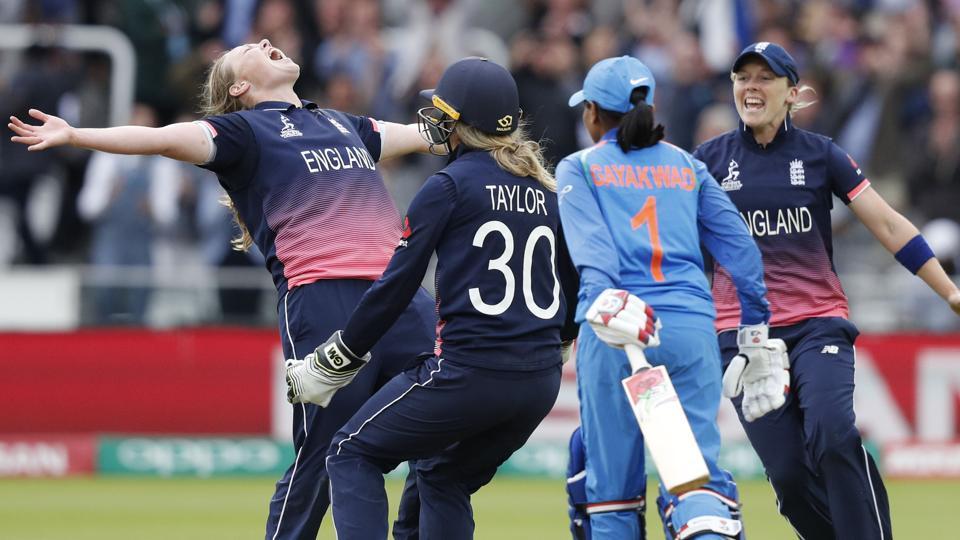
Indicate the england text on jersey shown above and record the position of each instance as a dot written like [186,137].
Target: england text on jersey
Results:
[644,176]
[784,221]
[332,159]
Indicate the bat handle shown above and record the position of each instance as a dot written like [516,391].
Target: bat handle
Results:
[638,360]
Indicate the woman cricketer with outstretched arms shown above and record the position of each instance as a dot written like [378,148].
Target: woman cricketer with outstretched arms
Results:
[783,180]
[304,186]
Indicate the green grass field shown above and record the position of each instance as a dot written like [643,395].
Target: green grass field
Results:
[509,508]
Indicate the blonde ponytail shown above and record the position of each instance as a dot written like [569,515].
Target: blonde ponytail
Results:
[802,104]
[514,153]
[215,95]
[215,99]
[245,240]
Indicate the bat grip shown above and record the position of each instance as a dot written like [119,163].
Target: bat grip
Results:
[638,360]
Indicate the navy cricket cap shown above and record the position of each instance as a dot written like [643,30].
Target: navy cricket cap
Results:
[479,92]
[779,60]
[610,82]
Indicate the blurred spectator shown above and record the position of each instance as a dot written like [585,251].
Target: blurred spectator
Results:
[85,105]
[884,72]
[126,198]
[545,79]
[874,116]
[208,225]
[150,25]
[602,42]
[652,25]
[40,83]
[277,21]
[725,28]
[436,31]
[52,11]
[216,227]
[934,179]
[187,75]
[715,120]
[11,11]
[683,96]
[355,50]
[561,18]
[237,21]
[206,21]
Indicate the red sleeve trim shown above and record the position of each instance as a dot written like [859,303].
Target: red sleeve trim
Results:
[213,130]
[855,192]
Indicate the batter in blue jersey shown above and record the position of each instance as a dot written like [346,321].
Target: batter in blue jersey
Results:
[636,210]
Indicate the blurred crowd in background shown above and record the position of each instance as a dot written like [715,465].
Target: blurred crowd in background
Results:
[886,76]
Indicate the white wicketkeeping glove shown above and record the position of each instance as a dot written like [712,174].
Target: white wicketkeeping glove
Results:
[317,377]
[760,371]
[620,318]
[566,350]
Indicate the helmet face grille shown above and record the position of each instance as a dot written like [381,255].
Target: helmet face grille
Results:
[436,127]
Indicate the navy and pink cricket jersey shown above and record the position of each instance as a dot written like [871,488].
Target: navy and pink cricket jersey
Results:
[304,181]
[784,192]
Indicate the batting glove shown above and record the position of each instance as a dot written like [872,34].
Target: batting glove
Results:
[317,377]
[620,318]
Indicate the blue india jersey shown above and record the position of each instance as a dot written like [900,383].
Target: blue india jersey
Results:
[636,221]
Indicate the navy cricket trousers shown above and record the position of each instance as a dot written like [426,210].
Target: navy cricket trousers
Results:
[459,422]
[827,484]
[309,314]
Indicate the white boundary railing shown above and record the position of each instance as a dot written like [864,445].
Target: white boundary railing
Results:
[105,39]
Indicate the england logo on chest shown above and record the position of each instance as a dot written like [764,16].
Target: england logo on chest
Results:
[796,173]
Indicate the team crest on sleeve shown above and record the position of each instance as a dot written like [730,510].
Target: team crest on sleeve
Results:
[289,130]
[796,173]
[731,182]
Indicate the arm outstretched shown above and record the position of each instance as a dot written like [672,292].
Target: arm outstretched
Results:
[184,141]
[895,231]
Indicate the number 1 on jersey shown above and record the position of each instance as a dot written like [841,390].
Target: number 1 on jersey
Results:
[648,215]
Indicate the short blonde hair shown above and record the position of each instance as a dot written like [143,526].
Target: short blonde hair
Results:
[514,153]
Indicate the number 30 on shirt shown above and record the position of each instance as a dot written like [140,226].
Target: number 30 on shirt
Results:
[648,216]
[501,264]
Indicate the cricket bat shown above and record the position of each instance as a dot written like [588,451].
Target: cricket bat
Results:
[664,425]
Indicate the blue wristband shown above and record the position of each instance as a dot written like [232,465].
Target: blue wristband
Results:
[914,254]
